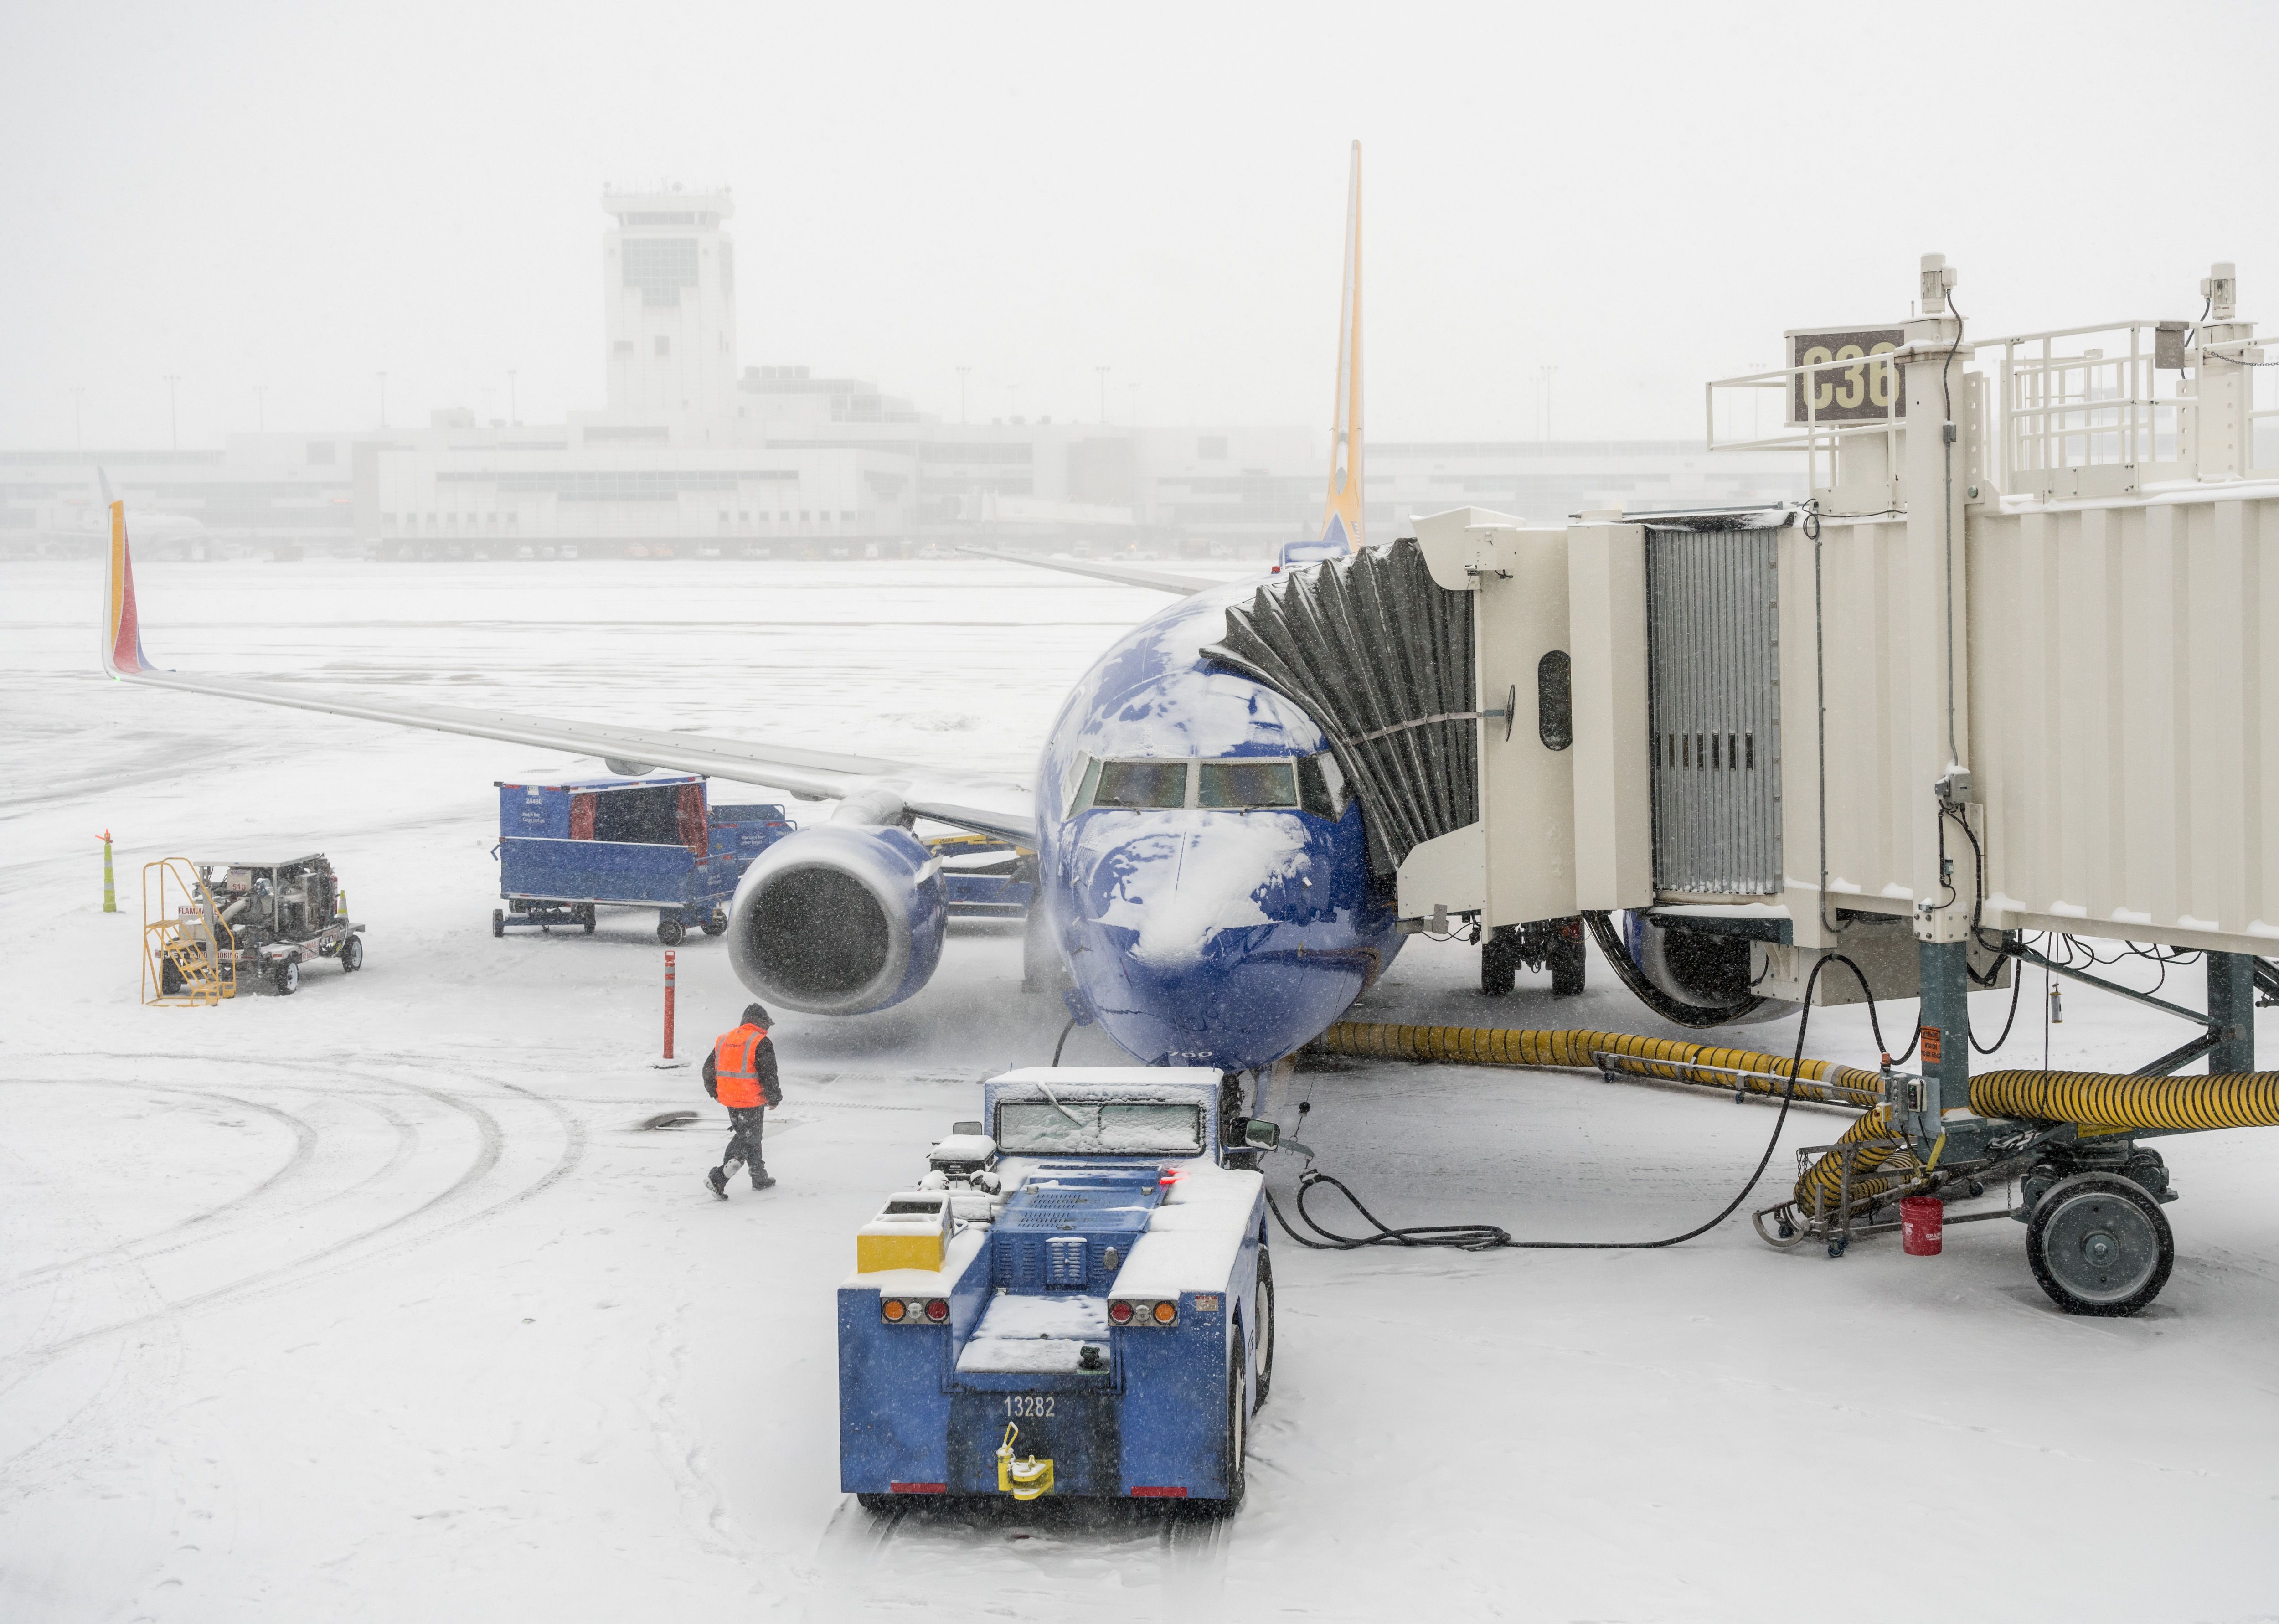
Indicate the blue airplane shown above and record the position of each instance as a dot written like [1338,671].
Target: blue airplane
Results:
[1205,896]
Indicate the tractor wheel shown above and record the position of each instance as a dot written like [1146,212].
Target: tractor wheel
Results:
[879,1505]
[170,978]
[716,922]
[586,918]
[498,922]
[670,930]
[1235,1451]
[288,976]
[352,955]
[1264,1315]
[2099,1244]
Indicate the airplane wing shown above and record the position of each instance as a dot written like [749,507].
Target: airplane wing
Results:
[1157,580]
[813,775]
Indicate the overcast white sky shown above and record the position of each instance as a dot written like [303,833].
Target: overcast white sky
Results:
[294,197]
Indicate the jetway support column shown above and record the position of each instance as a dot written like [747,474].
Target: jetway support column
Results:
[1946,1038]
[2231,1006]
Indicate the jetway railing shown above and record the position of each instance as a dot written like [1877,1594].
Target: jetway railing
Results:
[2095,410]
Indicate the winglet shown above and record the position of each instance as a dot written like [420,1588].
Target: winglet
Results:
[122,631]
[1341,520]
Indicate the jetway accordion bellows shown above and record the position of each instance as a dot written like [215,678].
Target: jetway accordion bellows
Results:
[1712,663]
[1381,658]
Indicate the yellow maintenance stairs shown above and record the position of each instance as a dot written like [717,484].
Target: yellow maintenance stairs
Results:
[186,947]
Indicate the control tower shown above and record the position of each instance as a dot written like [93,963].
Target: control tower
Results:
[668,290]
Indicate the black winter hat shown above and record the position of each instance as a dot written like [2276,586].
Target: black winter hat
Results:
[755,1014]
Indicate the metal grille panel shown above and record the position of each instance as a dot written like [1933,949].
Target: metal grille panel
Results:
[1064,1261]
[1713,643]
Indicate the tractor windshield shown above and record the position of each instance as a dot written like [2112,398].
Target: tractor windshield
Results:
[1098,1127]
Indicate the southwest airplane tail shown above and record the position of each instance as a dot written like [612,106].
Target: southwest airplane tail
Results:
[1342,513]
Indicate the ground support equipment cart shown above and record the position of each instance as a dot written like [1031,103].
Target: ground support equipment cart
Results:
[568,848]
[274,917]
[1077,1299]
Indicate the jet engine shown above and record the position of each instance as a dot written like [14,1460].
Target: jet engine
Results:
[840,919]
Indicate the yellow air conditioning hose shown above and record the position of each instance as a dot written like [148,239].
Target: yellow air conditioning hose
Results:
[1823,1082]
[2102,1102]
[2097,1103]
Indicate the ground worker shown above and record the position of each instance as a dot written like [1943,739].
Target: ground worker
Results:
[740,1074]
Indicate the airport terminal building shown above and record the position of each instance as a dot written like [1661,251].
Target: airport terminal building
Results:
[695,454]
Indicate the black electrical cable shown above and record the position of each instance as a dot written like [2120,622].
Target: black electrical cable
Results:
[1618,959]
[2017,984]
[1062,1043]
[1493,1237]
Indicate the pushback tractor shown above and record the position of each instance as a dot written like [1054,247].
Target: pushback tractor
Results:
[1076,1299]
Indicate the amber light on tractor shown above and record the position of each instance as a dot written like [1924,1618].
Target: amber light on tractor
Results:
[1167,1313]
[891,1309]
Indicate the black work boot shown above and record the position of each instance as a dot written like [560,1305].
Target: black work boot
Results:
[761,1179]
[717,1181]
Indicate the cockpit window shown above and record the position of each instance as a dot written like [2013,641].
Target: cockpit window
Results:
[1141,784]
[1309,783]
[1247,784]
[1322,787]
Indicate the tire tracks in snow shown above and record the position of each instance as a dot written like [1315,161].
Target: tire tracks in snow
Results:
[335,1255]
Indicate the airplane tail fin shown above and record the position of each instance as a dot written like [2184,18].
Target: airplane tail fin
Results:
[122,630]
[1341,520]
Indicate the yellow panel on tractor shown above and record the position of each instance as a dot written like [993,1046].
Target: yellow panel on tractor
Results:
[911,1231]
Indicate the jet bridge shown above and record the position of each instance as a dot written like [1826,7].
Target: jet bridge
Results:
[2001,673]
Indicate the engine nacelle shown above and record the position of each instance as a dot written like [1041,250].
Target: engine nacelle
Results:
[840,919]
[1707,970]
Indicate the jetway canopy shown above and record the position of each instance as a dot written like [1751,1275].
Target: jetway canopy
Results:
[1380,656]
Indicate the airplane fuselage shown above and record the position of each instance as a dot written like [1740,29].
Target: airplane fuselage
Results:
[1205,880]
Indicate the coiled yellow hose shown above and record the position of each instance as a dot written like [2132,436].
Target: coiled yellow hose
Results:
[1823,1182]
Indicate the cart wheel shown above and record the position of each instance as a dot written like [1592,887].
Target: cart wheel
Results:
[586,918]
[879,1505]
[289,976]
[1566,966]
[352,955]
[1236,1449]
[498,922]
[2099,1244]
[1264,1315]
[170,978]
[1499,964]
[670,930]
[716,921]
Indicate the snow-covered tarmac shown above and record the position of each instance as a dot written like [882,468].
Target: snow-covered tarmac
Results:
[376,1302]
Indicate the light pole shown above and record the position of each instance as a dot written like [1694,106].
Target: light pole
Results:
[1103,394]
[383,399]
[513,409]
[1546,373]
[173,427]
[261,409]
[961,371]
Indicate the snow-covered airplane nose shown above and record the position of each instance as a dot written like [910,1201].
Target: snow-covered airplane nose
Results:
[1210,939]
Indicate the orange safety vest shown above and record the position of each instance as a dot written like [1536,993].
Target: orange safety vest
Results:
[736,1066]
